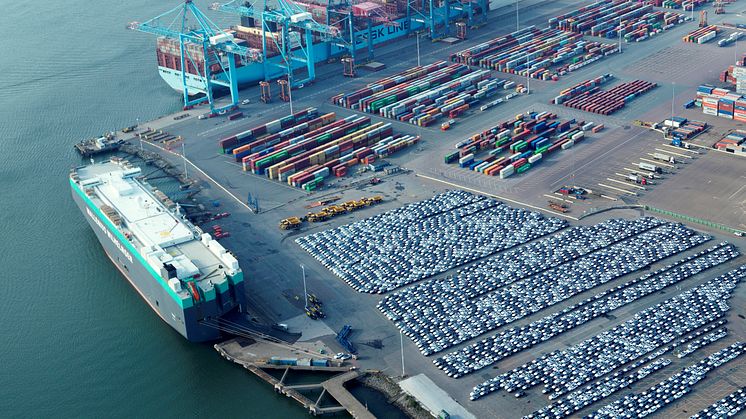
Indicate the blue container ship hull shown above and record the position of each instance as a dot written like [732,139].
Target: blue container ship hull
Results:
[253,73]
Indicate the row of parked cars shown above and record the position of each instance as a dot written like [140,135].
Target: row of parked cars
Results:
[703,341]
[497,347]
[729,406]
[423,239]
[563,371]
[620,379]
[601,389]
[434,329]
[507,267]
[666,392]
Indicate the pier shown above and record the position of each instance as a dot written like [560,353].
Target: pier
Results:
[255,356]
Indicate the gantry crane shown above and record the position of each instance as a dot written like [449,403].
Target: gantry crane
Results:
[289,18]
[437,15]
[217,68]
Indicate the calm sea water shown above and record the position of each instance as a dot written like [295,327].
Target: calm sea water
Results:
[77,341]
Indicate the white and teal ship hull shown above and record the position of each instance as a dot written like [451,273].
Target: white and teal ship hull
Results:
[196,321]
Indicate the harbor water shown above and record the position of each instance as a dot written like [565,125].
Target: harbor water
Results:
[78,341]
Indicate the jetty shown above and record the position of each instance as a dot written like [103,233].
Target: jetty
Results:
[260,356]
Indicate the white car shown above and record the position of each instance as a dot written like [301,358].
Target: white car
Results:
[342,356]
[245,102]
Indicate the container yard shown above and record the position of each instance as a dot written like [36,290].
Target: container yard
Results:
[635,21]
[543,54]
[606,102]
[514,146]
[502,286]
[305,148]
[422,95]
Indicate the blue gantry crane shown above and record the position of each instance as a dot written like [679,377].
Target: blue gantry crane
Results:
[291,20]
[436,16]
[204,47]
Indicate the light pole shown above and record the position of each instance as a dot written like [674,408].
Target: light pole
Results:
[673,97]
[516,15]
[290,88]
[305,292]
[401,338]
[137,124]
[528,77]
[417,34]
[183,156]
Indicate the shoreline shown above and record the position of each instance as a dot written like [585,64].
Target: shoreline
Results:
[386,385]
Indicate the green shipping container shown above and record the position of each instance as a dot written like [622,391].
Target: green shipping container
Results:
[452,157]
[502,141]
[524,168]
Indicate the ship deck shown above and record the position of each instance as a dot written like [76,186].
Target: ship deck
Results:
[150,225]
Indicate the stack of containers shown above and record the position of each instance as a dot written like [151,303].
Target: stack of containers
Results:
[677,4]
[739,111]
[701,35]
[228,144]
[535,52]
[685,129]
[721,102]
[350,100]
[267,144]
[523,141]
[732,141]
[580,88]
[638,20]
[606,102]
[733,74]
[305,153]
[421,95]
[259,162]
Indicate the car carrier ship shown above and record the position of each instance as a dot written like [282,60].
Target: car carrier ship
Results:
[190,280]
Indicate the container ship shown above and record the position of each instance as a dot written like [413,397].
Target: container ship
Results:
[190,280]
[375,24]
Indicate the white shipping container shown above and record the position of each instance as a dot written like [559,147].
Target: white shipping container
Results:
[466,158]
[534,158]
[568,144]
[738,71]
[741,85]
[220,38]
[507,171]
